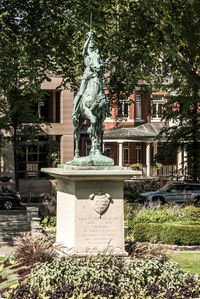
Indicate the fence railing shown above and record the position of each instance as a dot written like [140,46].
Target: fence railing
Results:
[164,171]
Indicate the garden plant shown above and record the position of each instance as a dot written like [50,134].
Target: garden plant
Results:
[44,275]
[169,224]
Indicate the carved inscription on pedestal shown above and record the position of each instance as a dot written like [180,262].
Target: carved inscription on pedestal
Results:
[100,232]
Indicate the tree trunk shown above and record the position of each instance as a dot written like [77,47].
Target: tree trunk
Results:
[15,159]
[195,144]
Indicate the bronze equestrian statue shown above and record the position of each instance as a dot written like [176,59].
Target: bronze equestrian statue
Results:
[91,104]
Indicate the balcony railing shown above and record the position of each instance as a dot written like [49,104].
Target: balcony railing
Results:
[164,171]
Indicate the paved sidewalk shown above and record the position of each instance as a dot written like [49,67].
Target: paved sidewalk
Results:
[6,250]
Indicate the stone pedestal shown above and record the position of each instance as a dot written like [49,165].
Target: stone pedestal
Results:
[90,208]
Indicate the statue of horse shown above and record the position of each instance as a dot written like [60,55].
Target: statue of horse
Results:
[92,106]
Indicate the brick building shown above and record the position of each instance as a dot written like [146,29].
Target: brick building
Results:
[129,137]
[130,133]
[56,108]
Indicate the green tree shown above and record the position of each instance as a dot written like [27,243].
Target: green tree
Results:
[19,121]
[143,43]
[38,38]
[157,42]
[22,69]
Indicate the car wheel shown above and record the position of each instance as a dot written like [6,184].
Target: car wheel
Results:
[8,205]
[197,202]
[158,199]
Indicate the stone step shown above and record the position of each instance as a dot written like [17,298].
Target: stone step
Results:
[13,233]
[22,227]
[13,212]
[17,229]
[11,237]
[14,217]
[13,222]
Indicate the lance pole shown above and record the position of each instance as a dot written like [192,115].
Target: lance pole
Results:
[91,22]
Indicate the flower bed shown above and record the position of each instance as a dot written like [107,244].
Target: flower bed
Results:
[107,277]
[12,272]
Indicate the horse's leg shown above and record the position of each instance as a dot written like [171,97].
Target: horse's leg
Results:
[92,128]
[77,127]
[99,129]
[77,137]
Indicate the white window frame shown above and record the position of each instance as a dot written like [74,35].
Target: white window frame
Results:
[138,152]
[122,117]
[126,147]
[138,107]
[157,100]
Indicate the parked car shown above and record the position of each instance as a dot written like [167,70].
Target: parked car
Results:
[179,193]
[9,198]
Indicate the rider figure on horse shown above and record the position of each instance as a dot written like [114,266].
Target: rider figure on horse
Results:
[89,53]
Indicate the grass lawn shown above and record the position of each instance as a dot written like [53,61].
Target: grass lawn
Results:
[2,258]
[188,261]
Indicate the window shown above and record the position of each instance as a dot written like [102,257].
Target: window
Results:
[176,188]
[157,106]
[49,106]
[192,187]
[107,149]
[57,106]
[123,109]
[126,153]
[87,147]
[33,157]
[138,107]
[138,152]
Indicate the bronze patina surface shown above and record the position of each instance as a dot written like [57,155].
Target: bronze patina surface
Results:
[91,104]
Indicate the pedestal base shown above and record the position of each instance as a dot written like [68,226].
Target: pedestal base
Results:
[90,209]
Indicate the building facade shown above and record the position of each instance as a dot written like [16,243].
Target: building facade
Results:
[56,109]
[129,138]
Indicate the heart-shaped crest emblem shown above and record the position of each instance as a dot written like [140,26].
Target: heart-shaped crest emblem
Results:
[101,202]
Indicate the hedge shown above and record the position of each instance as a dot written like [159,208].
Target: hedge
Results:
[167,233]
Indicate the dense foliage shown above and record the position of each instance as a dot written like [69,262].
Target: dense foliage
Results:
[12,272]
[157,214]
[143,42]
[108,277]
[49,223]
[168,233]
[169,224]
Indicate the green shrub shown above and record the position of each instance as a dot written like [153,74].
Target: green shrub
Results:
[130,211]
[108,277]
[49,223]
[108,269]
[168,233]
[131,196]
[156,214]
[191,213]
